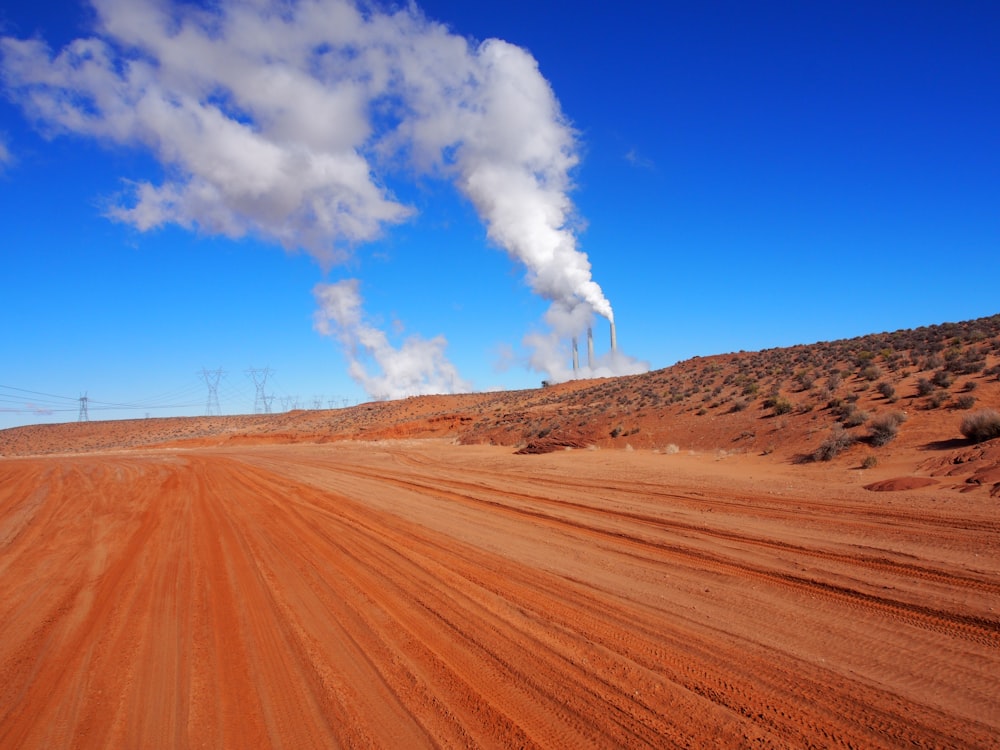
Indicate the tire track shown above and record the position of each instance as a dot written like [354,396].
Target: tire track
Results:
[981,630]
[717,686]
[291,597]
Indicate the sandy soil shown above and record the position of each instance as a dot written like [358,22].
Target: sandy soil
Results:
[420,594]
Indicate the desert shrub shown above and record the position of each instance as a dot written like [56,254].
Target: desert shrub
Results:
[968,364]
[853,416]
[970,385]
[806,379]
[933,362]
[965,402]
[883,429]
[943,378]
[924,387]
[739,404]
[871,372]
[937,399]
[981,425]
[838,440]
[888,390]
[617,431]
[870,462]
[779,404]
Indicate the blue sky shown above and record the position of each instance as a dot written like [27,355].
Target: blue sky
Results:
[749,176]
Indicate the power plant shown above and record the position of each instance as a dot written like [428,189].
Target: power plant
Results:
[590,348]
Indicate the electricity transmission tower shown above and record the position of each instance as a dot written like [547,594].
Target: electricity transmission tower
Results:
[212,378]
[84,417]
[261,402]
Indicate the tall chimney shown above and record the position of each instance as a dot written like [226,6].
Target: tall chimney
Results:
[590,347]
[576,357]
[614,338]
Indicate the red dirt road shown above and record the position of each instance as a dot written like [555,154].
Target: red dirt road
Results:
[417,594]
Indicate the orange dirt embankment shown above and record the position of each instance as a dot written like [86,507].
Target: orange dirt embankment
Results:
[417,594]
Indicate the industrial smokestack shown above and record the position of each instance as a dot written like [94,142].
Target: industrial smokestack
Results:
[576,357]
[614,338]
[590,347]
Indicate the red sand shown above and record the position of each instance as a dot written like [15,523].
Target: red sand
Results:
[421,594]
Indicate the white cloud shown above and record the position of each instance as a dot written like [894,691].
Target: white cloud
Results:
[636,159]
[281,119]
[5,155]
[417,367]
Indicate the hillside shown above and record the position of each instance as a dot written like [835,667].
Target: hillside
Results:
[793,404]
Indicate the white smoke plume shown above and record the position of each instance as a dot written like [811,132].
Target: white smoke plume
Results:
[276,118]
[416,368]
[551,352]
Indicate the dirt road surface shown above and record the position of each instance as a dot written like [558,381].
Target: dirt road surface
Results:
[417,594]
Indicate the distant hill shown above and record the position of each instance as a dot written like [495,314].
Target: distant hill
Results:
[878,395]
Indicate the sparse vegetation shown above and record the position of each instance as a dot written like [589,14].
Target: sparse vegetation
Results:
[937,399]
[981,425]
[883,429]
[800,390]
[965,402]
[838,441]
[943,379]
[888,390]
[871,372]
[854,417]
[778,404]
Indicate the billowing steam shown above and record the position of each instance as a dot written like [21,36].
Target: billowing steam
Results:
[275,118]
[416,368]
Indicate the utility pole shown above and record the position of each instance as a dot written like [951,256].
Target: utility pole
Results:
[261,402]
[84,417]
[212,378]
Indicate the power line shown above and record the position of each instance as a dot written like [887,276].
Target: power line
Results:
[212,378]
[84,416]
[50,403]
[261,402]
